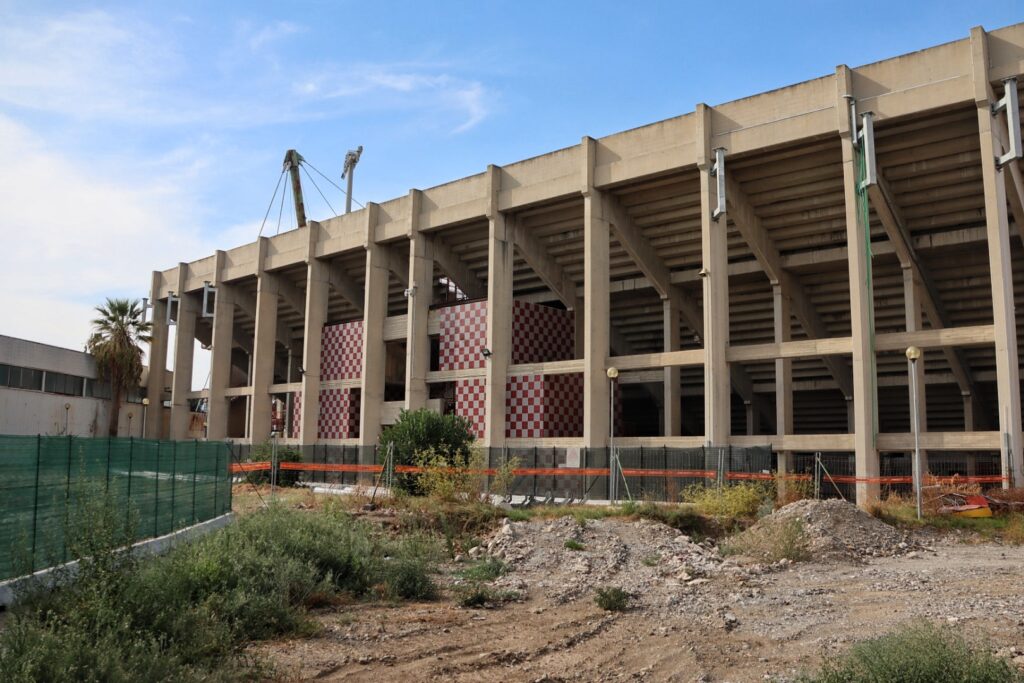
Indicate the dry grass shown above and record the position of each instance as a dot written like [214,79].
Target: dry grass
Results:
[783,540]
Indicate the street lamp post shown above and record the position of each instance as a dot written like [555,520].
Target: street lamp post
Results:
[67,416]
[130,416]
[613,468]
[913,355]
[145,409]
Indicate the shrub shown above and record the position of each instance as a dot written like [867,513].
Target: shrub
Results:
[420,431]
[184,615]
[919,652]
[573,544]
[739,500]
[264,452]
[451,476]
[612,599]
[782,540]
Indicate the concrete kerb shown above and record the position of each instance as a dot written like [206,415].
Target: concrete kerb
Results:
[50,576]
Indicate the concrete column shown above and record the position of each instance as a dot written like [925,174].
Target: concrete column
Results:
[969,423]
[914,320]
[317,295]
[672,391]
[865,415]
[500,253]
[375,311]
[184,350]
[715,259]
[220,354]
[783,382]
[157,361]
[596,306]
[1004,315]
[417,339]
[264,348]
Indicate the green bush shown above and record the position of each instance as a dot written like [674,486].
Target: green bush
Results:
[612,599]
[919,652]
[183,616]
[573,544]
[264,452]
[421,431]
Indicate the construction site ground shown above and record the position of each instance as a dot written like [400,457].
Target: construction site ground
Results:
[693,616]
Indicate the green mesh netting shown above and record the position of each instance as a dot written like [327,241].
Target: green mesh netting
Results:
[162,486]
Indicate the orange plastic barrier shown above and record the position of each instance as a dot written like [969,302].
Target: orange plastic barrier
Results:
[628,472]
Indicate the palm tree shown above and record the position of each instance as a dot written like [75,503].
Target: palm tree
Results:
[117,335]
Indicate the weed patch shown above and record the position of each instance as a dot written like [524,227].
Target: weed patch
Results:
[477,596]
[573,544]
[183,616]
[486,569]
[786,540]
[920,652]
[612,599]
[740,500]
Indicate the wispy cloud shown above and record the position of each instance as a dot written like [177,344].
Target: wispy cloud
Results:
[97,66]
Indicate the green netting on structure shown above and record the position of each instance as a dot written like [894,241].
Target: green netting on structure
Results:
[162,486]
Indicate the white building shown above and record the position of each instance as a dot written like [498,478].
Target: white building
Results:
[54,391]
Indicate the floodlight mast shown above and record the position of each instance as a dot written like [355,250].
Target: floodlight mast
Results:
[351,159]
[292,159]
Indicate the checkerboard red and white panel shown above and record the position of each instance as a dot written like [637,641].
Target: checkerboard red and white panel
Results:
[463,336]
[296,414]
[339,414]
[524,407]
[541,333]
[341,351]
[563,405]
[471,403]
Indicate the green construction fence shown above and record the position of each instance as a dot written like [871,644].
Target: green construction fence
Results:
[162,486]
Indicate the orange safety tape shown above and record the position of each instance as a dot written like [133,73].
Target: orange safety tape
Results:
[679,474]
[249,466]
[329,467]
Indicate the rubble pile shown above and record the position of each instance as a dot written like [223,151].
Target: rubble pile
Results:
[840,531]
[653,562]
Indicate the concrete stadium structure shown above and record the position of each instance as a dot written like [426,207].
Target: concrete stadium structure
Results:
[754,269]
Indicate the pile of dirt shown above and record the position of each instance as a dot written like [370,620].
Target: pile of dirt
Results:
[839,531]
[564,559]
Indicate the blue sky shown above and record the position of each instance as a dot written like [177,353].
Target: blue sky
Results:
[135,136]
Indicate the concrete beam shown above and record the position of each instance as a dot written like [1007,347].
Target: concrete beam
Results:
[456,269]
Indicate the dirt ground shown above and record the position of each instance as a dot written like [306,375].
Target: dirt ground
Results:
[693,616]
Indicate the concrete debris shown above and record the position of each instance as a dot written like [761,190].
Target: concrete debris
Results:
[654,563]
[840,531]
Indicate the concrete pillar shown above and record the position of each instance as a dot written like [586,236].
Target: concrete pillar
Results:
[417,339]
[317,295]
[157,361]
[912,294]
[500,253]
[672,391]
[969,423]
[865,415]
[220,354]
[783,324]
[1004,315]
[264,347]
[715,259]
[374,350]
[184,350]
[596,306]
